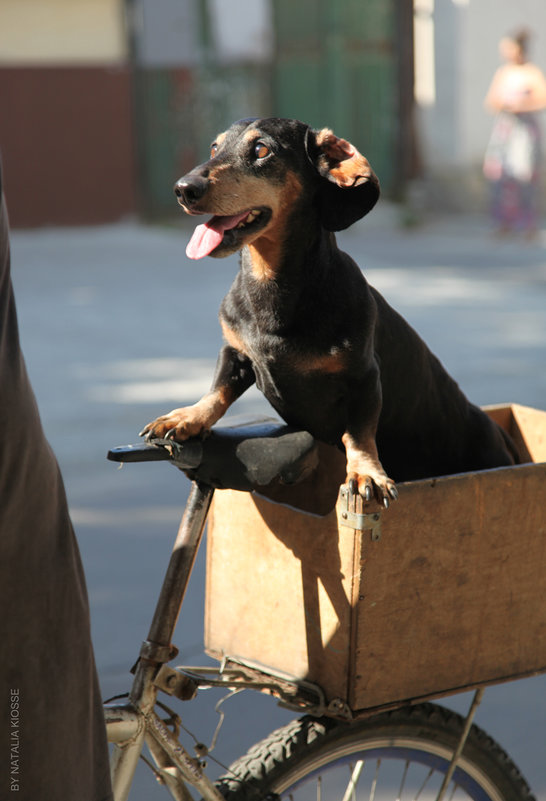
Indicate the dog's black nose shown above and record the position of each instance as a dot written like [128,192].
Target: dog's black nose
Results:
[190,189]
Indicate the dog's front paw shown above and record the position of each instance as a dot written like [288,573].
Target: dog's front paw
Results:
[179,425]
[189,421]
[372,485]
[365,474]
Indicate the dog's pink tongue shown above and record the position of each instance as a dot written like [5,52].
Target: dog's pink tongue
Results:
[208,236]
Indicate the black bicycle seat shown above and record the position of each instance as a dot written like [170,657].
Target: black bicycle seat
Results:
[241,454]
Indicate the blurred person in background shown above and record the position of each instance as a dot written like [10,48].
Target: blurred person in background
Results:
[512,159]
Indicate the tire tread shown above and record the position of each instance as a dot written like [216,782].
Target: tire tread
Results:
[251,775]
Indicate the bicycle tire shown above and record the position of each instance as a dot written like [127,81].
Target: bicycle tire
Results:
[422,735]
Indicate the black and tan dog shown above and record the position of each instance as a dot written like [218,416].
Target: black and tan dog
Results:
[300,320]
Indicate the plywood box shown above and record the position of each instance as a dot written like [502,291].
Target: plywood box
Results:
[452,596]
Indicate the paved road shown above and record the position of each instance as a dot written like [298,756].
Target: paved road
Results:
[118,326]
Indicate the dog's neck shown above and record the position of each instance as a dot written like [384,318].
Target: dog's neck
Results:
[279,275]
[290,257]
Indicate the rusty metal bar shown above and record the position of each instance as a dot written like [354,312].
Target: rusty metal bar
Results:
[181,564]
[157,649]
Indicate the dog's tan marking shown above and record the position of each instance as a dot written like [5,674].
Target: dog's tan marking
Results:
[325,363]
[353,171]
[342,160]
[217,172]
[264,255]
[266,249]
[232,338]
[252,134]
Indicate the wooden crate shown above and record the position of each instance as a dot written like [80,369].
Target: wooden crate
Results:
[452,596]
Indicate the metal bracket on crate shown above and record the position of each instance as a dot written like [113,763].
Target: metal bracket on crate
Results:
[291,693]
[173,682]
[338,708]
[360,521]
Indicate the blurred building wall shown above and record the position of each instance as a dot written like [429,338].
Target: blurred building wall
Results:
[105,103]
[198,66]
[66,132]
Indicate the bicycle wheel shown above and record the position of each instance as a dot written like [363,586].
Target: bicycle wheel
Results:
[396,755]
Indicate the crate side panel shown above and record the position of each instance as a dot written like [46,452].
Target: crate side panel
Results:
[531,423]
[453,594]
[526,426]
[279,589]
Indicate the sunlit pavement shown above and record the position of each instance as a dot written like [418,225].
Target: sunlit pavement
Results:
[118,326]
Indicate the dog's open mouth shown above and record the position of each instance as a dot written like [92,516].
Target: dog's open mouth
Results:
[229,230]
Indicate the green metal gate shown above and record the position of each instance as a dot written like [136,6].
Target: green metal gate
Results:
[347,65]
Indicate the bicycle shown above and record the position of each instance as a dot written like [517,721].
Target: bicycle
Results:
[418,750]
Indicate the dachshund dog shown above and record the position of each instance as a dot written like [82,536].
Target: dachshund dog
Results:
[301,321]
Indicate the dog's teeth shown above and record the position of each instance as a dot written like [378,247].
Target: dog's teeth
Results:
[250,217]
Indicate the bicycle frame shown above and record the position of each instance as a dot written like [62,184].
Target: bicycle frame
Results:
[131,724]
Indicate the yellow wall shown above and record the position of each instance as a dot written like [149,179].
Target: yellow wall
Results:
[62,32]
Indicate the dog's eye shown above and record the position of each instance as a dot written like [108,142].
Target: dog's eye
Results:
[261,150]
[213,150]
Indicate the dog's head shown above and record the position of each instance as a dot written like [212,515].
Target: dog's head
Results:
[260,171]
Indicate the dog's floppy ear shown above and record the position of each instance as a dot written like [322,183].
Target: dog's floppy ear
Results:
[349,188]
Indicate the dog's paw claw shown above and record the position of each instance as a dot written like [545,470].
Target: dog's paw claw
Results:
[380,487]
[393,492]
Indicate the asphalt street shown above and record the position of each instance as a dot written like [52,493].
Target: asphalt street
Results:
[119,326]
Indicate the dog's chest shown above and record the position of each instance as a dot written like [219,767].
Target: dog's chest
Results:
[307,386]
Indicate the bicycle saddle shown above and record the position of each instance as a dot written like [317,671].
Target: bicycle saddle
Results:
[253,454]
